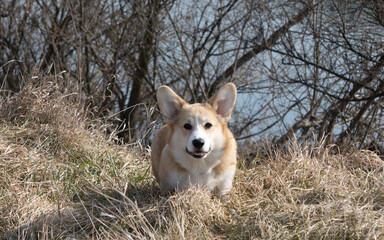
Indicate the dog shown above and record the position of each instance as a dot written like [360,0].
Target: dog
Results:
[195,146]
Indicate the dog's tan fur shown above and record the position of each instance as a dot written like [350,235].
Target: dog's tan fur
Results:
[173,165]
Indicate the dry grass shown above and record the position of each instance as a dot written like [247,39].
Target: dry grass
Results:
[61,178]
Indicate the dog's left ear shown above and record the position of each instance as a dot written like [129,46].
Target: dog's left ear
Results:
[224,101]
[169,102]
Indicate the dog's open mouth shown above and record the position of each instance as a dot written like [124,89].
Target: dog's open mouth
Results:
[197,154]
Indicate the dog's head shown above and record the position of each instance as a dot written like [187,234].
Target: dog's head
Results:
[197,129]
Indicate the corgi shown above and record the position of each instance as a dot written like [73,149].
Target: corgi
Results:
[195,146]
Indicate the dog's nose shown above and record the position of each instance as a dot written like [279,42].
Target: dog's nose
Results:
[198,143]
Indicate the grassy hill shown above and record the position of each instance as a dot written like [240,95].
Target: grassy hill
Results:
[61,177]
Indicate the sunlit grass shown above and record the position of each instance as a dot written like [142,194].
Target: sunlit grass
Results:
[61,177]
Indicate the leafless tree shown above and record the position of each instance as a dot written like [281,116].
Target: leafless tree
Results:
[303,68]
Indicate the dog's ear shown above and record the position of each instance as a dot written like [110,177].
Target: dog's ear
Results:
[224,101]
[169,102]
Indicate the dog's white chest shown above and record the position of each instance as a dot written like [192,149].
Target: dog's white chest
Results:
[182,181]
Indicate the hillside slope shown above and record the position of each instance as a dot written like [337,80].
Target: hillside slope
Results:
[60,177]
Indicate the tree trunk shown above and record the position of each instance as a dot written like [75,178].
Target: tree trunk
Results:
[130,115]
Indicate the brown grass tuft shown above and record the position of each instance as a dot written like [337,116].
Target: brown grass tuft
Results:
[60,177]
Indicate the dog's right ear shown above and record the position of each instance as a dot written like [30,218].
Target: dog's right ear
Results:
[169,102]
[224,101]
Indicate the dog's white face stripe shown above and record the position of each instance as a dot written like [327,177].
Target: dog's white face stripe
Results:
[198,133]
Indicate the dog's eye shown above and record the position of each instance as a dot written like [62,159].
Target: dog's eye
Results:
[208,125]
[188,126]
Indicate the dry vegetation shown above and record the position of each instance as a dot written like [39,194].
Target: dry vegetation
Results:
[60,177]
